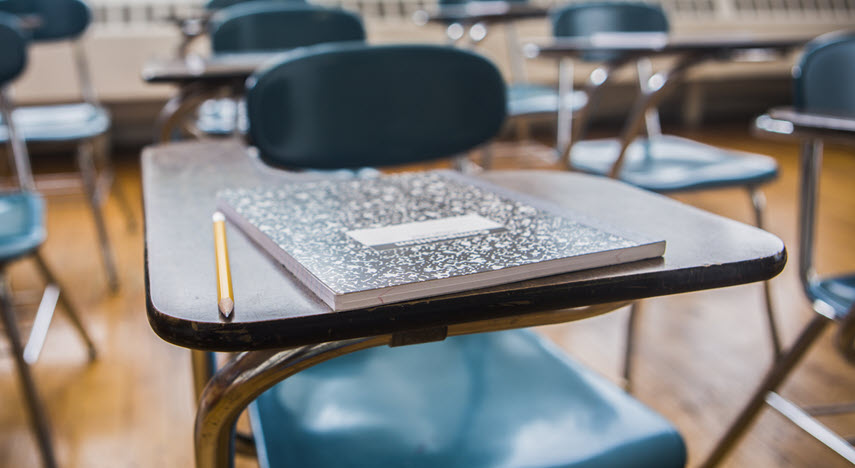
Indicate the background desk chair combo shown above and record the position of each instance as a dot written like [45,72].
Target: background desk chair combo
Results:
[194,27]
[824,100]
[657,162]
[465,401]
[85,124]
[470,21]
[22,232]
[267,26]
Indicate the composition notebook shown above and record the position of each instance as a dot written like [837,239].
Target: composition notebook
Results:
[363,242]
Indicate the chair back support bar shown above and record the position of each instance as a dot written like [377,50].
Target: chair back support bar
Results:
[259,26]
[824,75]
[355,105]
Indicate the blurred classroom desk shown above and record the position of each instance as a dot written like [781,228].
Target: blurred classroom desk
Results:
[480,12]
[689,51]
[273,311]
[473,18]
[198,78]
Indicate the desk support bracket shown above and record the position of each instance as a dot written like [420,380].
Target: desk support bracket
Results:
[425,335]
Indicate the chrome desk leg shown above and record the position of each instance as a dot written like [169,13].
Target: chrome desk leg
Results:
[629,350]
[593,90]
[650,99]
[38,418]
[103,154]
[69,309]
[177,108]
[204,367]
[644,70]
[811,162]
[564,121]
[758,202]
[515,57]
[776,375]
[86,164]
[245,378]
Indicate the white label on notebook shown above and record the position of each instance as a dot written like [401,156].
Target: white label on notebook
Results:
[424,232]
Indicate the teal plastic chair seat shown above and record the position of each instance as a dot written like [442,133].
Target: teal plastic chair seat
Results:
[508,399]
[670,164]
[836,291]
[22,227]
[530,100]
[68,122]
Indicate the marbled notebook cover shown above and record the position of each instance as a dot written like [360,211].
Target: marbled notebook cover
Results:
[309,227]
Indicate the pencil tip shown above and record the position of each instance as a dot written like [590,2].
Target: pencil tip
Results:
[226,306]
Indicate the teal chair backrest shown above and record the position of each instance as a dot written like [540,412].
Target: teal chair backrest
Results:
[58,19]
[585,19]
[13,49]
[354,105]
[276,25]
[214,5]
[824,79]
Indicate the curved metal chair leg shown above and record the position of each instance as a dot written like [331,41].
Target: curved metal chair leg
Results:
[758,202]
[245,378]
[87,170]
[38,417]
[102,153]
[774,378]
[178,108]
[629,351]
[67,306]
[204,364]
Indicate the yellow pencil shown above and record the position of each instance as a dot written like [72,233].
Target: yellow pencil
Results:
[225,296]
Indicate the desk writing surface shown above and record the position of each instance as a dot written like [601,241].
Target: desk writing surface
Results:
[273,310]
[489,11]
[655,43]
[224,67]
[845,124]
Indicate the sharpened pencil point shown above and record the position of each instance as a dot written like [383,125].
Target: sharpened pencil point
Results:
[226,306]
[225,296]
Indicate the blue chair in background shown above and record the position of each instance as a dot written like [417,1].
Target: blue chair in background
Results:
[22,232]
[525,100]
[824,110]
[500,399]
[85,124]
[267,26]
[195,26]
[657,162]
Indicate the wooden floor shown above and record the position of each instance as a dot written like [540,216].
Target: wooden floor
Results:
[699,354]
